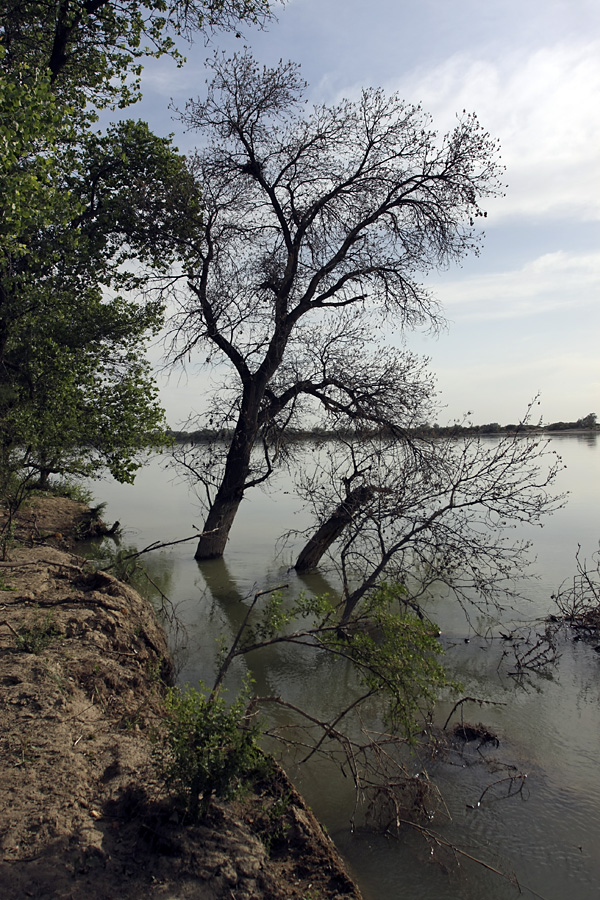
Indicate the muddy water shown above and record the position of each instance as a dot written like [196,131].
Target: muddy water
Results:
[544,837]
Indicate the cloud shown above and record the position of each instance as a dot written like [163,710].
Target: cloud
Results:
[543,106]
[552,281]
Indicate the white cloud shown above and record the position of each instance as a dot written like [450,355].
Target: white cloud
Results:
[552,281]
[543,106]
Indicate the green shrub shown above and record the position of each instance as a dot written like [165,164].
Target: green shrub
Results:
[210,749]
[396,654]
[72,490]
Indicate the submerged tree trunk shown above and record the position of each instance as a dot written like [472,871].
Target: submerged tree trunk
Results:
[231,491]
[331,529]
[218,524]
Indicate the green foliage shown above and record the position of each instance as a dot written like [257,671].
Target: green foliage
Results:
[74,490]
[397,656]
[76,394]
[209,749]
[31,125]
[273,619]
[394,650]
[93,51]
[84,216]
[35,637]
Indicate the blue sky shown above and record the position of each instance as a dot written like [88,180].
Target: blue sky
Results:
[524,317]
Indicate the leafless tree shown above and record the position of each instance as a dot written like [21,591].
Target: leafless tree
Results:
[318,225]
[578,600]
[435,518]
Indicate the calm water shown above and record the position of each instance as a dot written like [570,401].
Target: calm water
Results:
[546,838]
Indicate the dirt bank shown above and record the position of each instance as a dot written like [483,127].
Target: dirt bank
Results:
[83,661]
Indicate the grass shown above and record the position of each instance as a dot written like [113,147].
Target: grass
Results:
[35,638]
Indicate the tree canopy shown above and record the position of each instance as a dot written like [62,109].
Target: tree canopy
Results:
[86,217]
[74,386]
[93,50]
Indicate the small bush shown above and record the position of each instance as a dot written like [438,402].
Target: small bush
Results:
[210,749]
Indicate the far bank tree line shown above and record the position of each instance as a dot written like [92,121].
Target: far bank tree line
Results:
[587,423]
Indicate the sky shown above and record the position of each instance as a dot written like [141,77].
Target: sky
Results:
[524,316]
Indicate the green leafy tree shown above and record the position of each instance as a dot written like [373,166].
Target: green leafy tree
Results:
[75,390]
[93,50]
[86,217]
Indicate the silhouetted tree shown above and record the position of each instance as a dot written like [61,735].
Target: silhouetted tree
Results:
[318,225]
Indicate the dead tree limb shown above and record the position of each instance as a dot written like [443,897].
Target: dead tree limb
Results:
[332,528]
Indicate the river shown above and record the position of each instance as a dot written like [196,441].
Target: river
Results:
[544,837]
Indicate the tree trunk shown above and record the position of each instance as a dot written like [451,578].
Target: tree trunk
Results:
[231,491]
[237,467]
[331,529]
[218,525]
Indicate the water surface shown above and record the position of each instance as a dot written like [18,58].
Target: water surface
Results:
[546,837]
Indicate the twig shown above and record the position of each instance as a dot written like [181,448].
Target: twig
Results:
[471,700]
[76,715]
[438,840]
[233,650]
[511,778]
[8,625]
[328,728]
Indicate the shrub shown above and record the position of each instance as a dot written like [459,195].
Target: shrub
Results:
[210,749]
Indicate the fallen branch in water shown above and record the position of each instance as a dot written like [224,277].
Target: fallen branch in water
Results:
[511,779]
[512,879]
[470,700]
[155,545]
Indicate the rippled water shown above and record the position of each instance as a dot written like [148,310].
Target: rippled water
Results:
[545,837]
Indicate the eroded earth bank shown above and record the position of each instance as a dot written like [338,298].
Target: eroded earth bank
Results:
[83,815]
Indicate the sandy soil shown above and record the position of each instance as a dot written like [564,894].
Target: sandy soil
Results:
[83,662]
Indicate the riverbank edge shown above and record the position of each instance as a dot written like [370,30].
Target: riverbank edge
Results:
[84,664]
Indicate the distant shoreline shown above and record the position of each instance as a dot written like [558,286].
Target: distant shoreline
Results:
[206,436]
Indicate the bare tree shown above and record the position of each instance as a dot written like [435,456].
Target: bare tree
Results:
[317,225]
[578,600]
[435,518]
